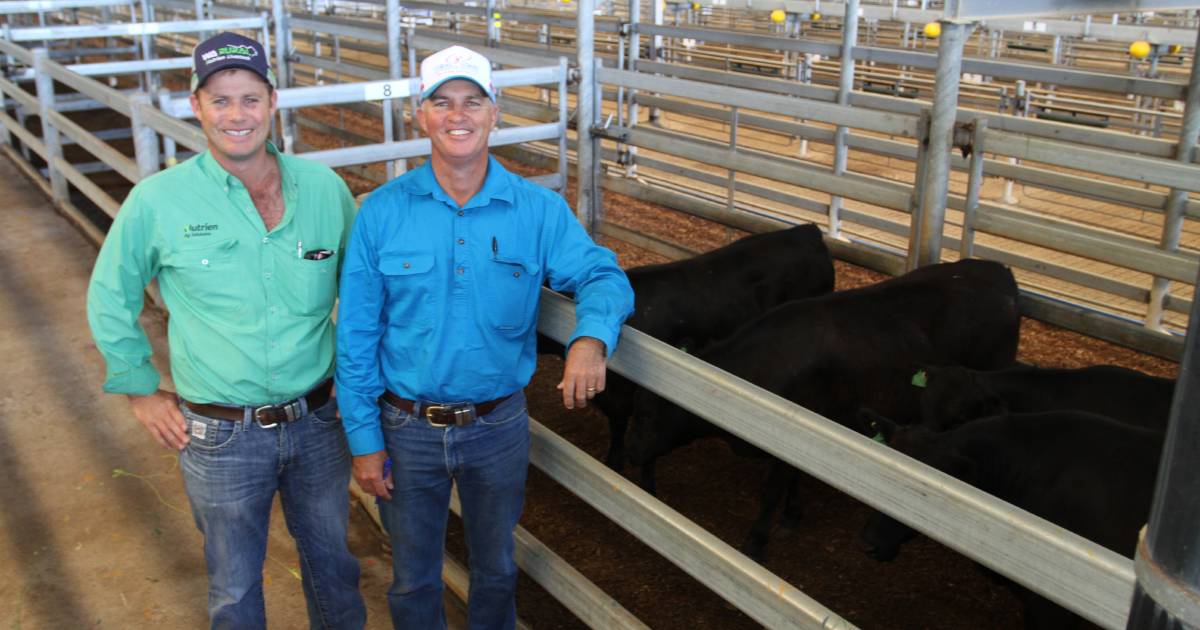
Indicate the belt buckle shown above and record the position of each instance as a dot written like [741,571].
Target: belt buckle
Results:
[460,410]
[259,421]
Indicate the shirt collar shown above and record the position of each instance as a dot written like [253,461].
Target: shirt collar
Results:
[217,173]
[496,185]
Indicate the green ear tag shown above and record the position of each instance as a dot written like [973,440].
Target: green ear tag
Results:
[879,438]
[920,379]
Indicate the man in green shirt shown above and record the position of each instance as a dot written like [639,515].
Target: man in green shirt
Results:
[245,243]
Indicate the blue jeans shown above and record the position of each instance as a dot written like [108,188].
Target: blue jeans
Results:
[231,471]
[488,461]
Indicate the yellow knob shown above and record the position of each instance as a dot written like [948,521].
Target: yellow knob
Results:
[932,30]
[1139,49]
[816,16]
[778,16]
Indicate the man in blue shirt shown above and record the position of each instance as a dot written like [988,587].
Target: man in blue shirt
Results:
[436,340]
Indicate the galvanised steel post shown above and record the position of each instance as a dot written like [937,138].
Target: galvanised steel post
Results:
[635,43]
[45,94]
[932,216]
[279,12]
[393,109]
[410,38]
[849,40]
[587,153]
[491,23]
[656,48]
[201,15]
[1167,565]
[147,44]
[1177,199]
[145,139]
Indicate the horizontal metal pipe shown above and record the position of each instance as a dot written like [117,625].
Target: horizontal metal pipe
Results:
[10,7]
[883,122]
[415,148]
[97,195]
[40,33]
[114,158]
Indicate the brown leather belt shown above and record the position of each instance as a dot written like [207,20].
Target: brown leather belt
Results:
[269,415]
[442,415]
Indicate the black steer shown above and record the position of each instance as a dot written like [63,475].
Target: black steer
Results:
[835,353]
[696,301]
[954,395]
[1087,473]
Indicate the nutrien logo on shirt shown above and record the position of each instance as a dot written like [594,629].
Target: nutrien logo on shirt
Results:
[199,229]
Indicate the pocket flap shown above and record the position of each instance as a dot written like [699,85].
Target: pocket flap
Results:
[528,264]
[404,264]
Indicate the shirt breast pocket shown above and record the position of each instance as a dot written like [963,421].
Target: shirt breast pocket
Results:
[208,274]
[511,284]
[408,281]
[314,285]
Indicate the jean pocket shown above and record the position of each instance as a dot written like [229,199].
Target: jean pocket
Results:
[392,418]
[327,414]
[210,434]
[507,414]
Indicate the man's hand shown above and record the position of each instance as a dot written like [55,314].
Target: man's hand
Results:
[583,375]
[159,413]
[368,473]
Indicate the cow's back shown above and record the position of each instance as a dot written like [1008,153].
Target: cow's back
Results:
[707,297]
[836,352]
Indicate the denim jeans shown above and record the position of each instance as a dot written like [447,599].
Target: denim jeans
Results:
[231,471]
[488,461]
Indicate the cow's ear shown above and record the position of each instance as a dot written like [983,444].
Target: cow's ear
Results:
[876,425]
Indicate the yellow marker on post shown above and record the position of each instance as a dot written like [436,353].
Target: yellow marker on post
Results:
[778,16]
[1139,49]
[932,30]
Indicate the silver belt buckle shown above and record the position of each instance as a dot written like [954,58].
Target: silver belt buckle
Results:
[256,419]
[290,409]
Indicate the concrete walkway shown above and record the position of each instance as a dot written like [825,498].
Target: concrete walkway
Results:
[95,529]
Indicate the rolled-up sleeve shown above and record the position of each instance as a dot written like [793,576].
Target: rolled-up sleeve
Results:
[127,262]
[359,332]
[603,296]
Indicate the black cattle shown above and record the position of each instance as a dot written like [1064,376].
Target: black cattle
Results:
[953,395]
[693,302]
[1090,474]
[835,353]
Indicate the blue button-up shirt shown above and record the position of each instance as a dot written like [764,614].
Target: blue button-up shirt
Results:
[439,302]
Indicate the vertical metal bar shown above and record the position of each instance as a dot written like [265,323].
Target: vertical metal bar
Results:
[169,148]
[1177,199]
[147,43]
[491,25]
[45,94]
[587,152]
[410,39]
[846,83]
[145,139]
[201,15]
[966,247]
[733,135]
[635,51]
[282,76]
[393,109]
[563,115]
[918,198]
[941,133]
[1167,566]
[656,48]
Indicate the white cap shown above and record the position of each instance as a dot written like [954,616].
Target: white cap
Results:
[456,62]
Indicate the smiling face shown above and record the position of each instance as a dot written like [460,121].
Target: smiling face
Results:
[458,117]
[235,108]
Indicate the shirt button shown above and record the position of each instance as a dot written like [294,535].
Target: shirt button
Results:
[516,274]
[265,239]
[408,265]
[274,309]
[267,275]
[461,241]
[204,262]
[460,271]
[460,213]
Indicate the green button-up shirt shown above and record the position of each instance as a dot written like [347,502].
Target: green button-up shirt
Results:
[250,317]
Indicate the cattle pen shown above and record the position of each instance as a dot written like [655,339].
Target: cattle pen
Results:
[747,117]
